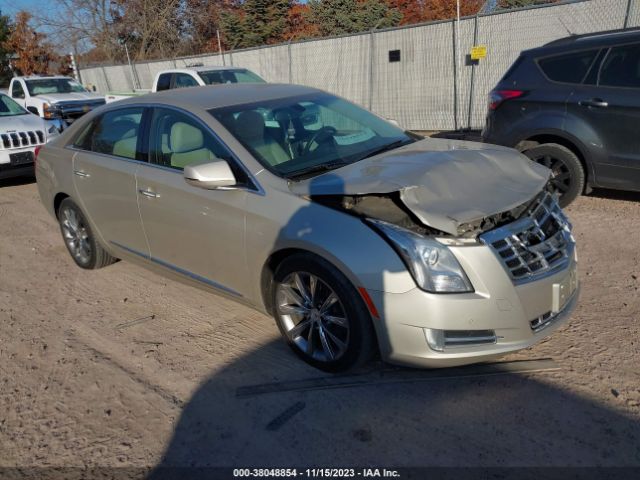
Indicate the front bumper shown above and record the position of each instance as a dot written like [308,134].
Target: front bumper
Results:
[497,305]
[9,170]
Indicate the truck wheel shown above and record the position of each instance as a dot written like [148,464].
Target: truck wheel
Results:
[567,174]
[79,239]
[321,315]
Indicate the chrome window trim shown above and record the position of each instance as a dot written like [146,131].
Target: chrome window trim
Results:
[255,186]
[179,270]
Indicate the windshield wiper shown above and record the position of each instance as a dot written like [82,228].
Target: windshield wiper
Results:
[323,167]
[386,148]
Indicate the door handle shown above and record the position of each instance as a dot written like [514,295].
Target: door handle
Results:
[148,193]
[594,102]
[80,173]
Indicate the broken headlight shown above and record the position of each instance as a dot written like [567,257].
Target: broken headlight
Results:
[432,265]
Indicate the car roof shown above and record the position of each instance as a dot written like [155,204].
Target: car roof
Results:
[46,77]
[223,95]
[590,40]
[203,69]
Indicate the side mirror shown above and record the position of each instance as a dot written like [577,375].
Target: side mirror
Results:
[210,175]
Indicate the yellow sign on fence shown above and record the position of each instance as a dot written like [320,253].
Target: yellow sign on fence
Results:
[478,52]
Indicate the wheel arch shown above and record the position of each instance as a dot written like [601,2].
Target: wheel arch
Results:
[57,200]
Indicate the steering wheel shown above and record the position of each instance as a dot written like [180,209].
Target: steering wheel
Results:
[321,136]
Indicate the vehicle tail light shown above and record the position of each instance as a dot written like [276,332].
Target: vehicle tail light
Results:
[498,97]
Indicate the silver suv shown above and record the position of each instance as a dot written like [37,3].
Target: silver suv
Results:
[355,235]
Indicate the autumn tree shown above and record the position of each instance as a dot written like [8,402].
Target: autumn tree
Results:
[299,26]
[5,31]
[33,54]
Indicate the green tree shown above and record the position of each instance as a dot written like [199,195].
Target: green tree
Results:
[5,32]
[337,17]
[507,4]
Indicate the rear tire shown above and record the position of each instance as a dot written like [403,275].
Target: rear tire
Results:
[79,239]
[568,177]
[321,315]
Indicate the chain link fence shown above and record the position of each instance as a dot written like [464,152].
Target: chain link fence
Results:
[430,87]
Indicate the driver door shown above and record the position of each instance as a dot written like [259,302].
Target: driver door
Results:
[196,232]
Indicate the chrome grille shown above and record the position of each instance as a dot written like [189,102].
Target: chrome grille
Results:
[21,139]
[537,244]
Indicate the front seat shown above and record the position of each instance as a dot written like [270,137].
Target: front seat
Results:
[186,144]
[250,127]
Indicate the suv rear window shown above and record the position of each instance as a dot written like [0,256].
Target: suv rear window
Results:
[568,68]
[622,67]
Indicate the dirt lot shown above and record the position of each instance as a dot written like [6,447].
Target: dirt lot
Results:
[121,367]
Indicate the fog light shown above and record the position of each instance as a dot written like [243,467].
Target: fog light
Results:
[439,340]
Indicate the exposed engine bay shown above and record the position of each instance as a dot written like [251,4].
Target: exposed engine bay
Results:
[389,207]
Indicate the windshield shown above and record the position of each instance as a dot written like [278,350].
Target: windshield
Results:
[300,136]
[230,76]
[9,108]
[53,85]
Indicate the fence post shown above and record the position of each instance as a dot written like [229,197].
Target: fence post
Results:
[455,75]
[371,58]
[626,16]
[473,74]
[290,62]
[106,78]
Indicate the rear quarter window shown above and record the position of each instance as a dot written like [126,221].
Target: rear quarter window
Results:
[568,68]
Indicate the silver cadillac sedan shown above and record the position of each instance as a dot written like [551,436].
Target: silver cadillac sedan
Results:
[359,238]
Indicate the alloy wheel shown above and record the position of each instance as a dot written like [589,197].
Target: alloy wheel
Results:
[313,316]
[75,235]
[560,174]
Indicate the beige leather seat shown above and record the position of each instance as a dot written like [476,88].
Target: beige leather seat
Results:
[250,127]
[186,144]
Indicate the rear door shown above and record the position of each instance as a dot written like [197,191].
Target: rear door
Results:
[609,102]
[104,166]
[196,232]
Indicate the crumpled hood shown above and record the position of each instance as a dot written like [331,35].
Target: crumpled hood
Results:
[22,123]
[445,183]
[68,97]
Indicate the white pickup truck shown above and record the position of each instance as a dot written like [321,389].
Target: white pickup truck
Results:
[191,77]
[55,98]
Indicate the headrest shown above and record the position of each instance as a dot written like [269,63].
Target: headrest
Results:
[185,138]
[250,126]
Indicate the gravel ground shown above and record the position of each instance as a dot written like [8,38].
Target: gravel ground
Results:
[121,367]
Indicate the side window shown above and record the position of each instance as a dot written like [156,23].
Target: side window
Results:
[114,133]
[183,80]
[570,68]
[16,90]
[164,82]
[178,140]
[621,68]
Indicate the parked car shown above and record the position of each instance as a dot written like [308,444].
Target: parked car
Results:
[59,100]
[574,106]
[355,236]
[191,77]
[21,133]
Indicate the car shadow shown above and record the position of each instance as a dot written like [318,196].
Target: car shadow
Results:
[466,417]
[17,181]
[624,195]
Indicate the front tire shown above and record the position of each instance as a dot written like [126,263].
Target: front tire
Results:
[79,239]
[321,315]
[567,177]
